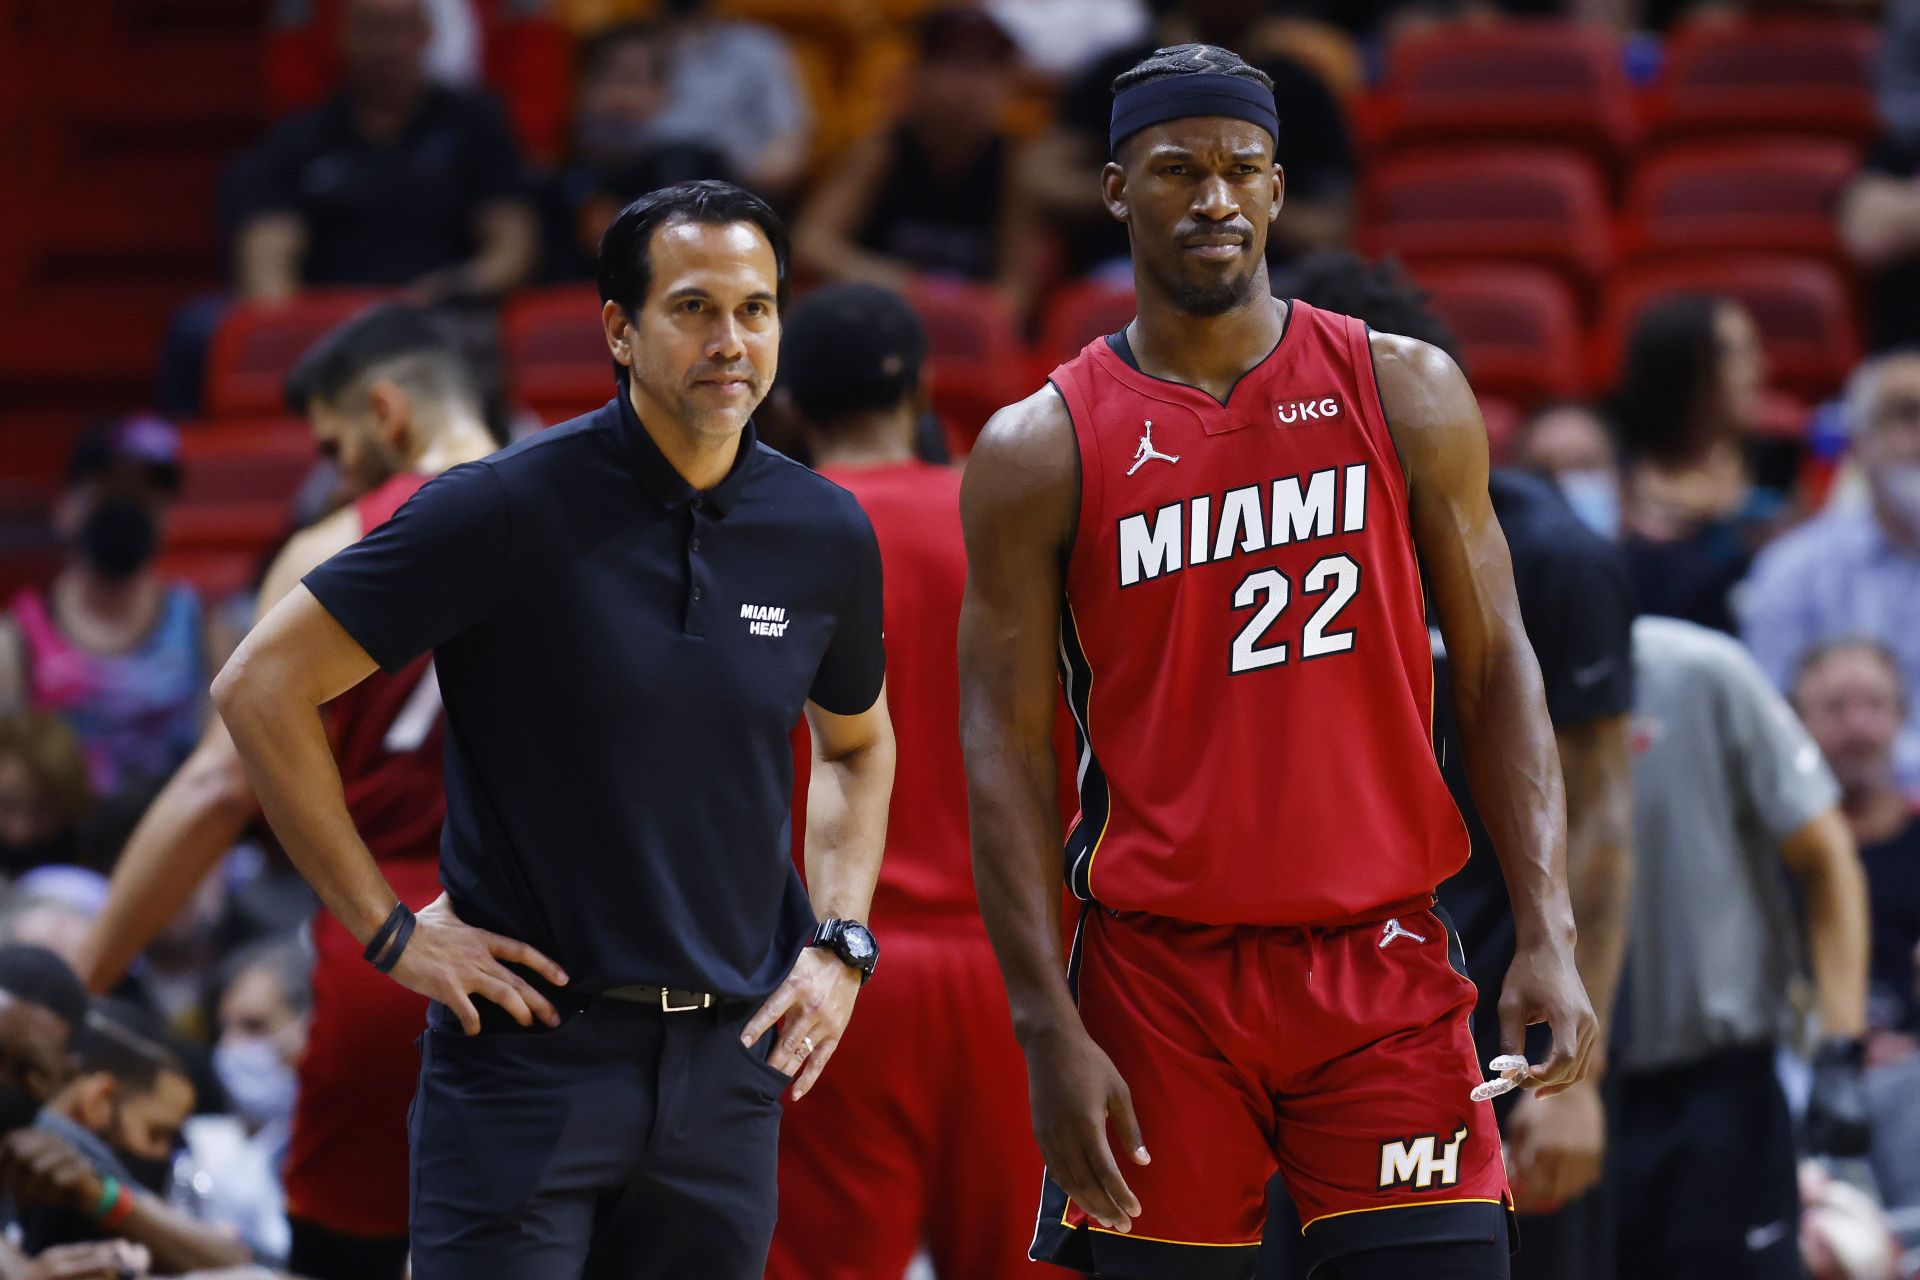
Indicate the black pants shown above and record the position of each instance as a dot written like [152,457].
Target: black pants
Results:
[627,1143]
[320,1254]
[1706,1181]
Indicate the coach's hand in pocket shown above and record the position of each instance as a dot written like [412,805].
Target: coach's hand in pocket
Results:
[1076,1090]
[447,960]
[812,1007]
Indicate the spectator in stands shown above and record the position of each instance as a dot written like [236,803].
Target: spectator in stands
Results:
[108,1137]
[1854,570]
[1688,395]
[397,181]
[1061,171]
[615,158]
[732,85]
[1573,445]
[1730,802]
[119,654]
[44,792]
[1880,211]
[264,1003]
[932,193]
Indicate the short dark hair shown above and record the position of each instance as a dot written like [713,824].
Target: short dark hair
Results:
[1380,293]
[117,1038]
[288,960]
[850,348]
[626,270]
[38,976]
[1673,351]
[1189,60]
[414,343]
[1832,647]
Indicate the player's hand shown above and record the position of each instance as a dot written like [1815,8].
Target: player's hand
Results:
[41,1167]
[1076,1090]
[1556,1145]
[95,1260]
[1543,986]
[813,1007]
[448,960]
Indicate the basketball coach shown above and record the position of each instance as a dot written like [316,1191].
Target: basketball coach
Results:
[628,614]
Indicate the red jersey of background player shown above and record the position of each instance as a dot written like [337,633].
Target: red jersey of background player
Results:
[346,1164]
[1244,644]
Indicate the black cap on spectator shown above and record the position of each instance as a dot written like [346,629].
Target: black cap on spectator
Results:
[38,976]
[850,348]
[144,441]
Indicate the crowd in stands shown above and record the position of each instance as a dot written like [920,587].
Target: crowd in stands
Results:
[953,156]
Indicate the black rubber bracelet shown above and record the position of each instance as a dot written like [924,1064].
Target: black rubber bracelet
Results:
[400,939]
[384,934]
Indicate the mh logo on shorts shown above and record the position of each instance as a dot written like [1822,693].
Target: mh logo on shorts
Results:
[764,619]
[1415,1163]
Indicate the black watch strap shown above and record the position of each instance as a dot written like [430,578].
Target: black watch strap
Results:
[832,934]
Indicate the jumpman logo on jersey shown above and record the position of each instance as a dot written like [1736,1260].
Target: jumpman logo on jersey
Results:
[1394,929]
[1147,453]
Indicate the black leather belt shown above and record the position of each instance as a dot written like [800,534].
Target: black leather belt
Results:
[670,999]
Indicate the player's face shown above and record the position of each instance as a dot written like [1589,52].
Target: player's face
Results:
[706,341]
[1851,705]
[355,443]
[1197,196]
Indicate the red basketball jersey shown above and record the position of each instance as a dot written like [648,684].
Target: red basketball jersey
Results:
[387,732]
[1244,644]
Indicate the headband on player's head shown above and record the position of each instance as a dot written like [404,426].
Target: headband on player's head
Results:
[1208,93]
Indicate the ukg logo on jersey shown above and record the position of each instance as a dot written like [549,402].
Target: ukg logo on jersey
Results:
[1295,412]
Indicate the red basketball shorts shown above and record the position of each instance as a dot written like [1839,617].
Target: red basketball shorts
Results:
[1340,1056]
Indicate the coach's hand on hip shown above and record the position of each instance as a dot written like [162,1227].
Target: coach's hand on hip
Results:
[1543,986]
[812,1007]
[448,960]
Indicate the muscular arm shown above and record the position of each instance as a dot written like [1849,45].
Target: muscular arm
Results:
[1821,856]
[1513,767]
[200,812]
[847,798]
[1596,760]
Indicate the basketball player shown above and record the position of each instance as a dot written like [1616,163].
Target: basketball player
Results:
[390,398]
[1258,979]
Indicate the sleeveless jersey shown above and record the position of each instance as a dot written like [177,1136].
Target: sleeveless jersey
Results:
[1244,644]
[387,732]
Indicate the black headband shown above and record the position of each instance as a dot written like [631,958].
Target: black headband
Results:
[1209,93]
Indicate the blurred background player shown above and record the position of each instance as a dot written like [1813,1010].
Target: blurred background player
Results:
[390,400]
[1238,742]
[1730,799]
[1577,606]
[956,1175]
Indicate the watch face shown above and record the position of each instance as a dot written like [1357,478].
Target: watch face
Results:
[858,942]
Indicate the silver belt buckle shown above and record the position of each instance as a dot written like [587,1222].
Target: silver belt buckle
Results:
[666,1005]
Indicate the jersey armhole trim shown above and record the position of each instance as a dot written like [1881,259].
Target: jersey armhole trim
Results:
[1083,509]
[1370,386]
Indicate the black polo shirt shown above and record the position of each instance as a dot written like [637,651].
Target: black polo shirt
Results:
[384,212]
[1577,604]
[622,659]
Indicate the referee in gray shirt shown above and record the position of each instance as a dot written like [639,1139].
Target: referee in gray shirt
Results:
[1731,798]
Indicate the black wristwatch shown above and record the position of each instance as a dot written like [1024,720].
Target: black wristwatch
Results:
[852,941]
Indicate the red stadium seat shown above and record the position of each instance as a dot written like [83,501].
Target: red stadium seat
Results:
[1519,329]
[1539,81]
[1775,74]
[975,361]
[1537,205]
[258,343]
[244,460]
[1767,195]
[1801,306]
[556,352]
[1078,313]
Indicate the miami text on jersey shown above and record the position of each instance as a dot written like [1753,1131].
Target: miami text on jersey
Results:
[1251,518]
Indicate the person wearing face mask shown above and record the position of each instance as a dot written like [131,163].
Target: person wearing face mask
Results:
[1571,444]
[1854,569]
[44,792]
[264,1013]
[615,158]
[121,655]
[98,1162]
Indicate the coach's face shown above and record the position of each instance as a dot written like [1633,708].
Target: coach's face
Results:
[1197,195]
[706,341]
